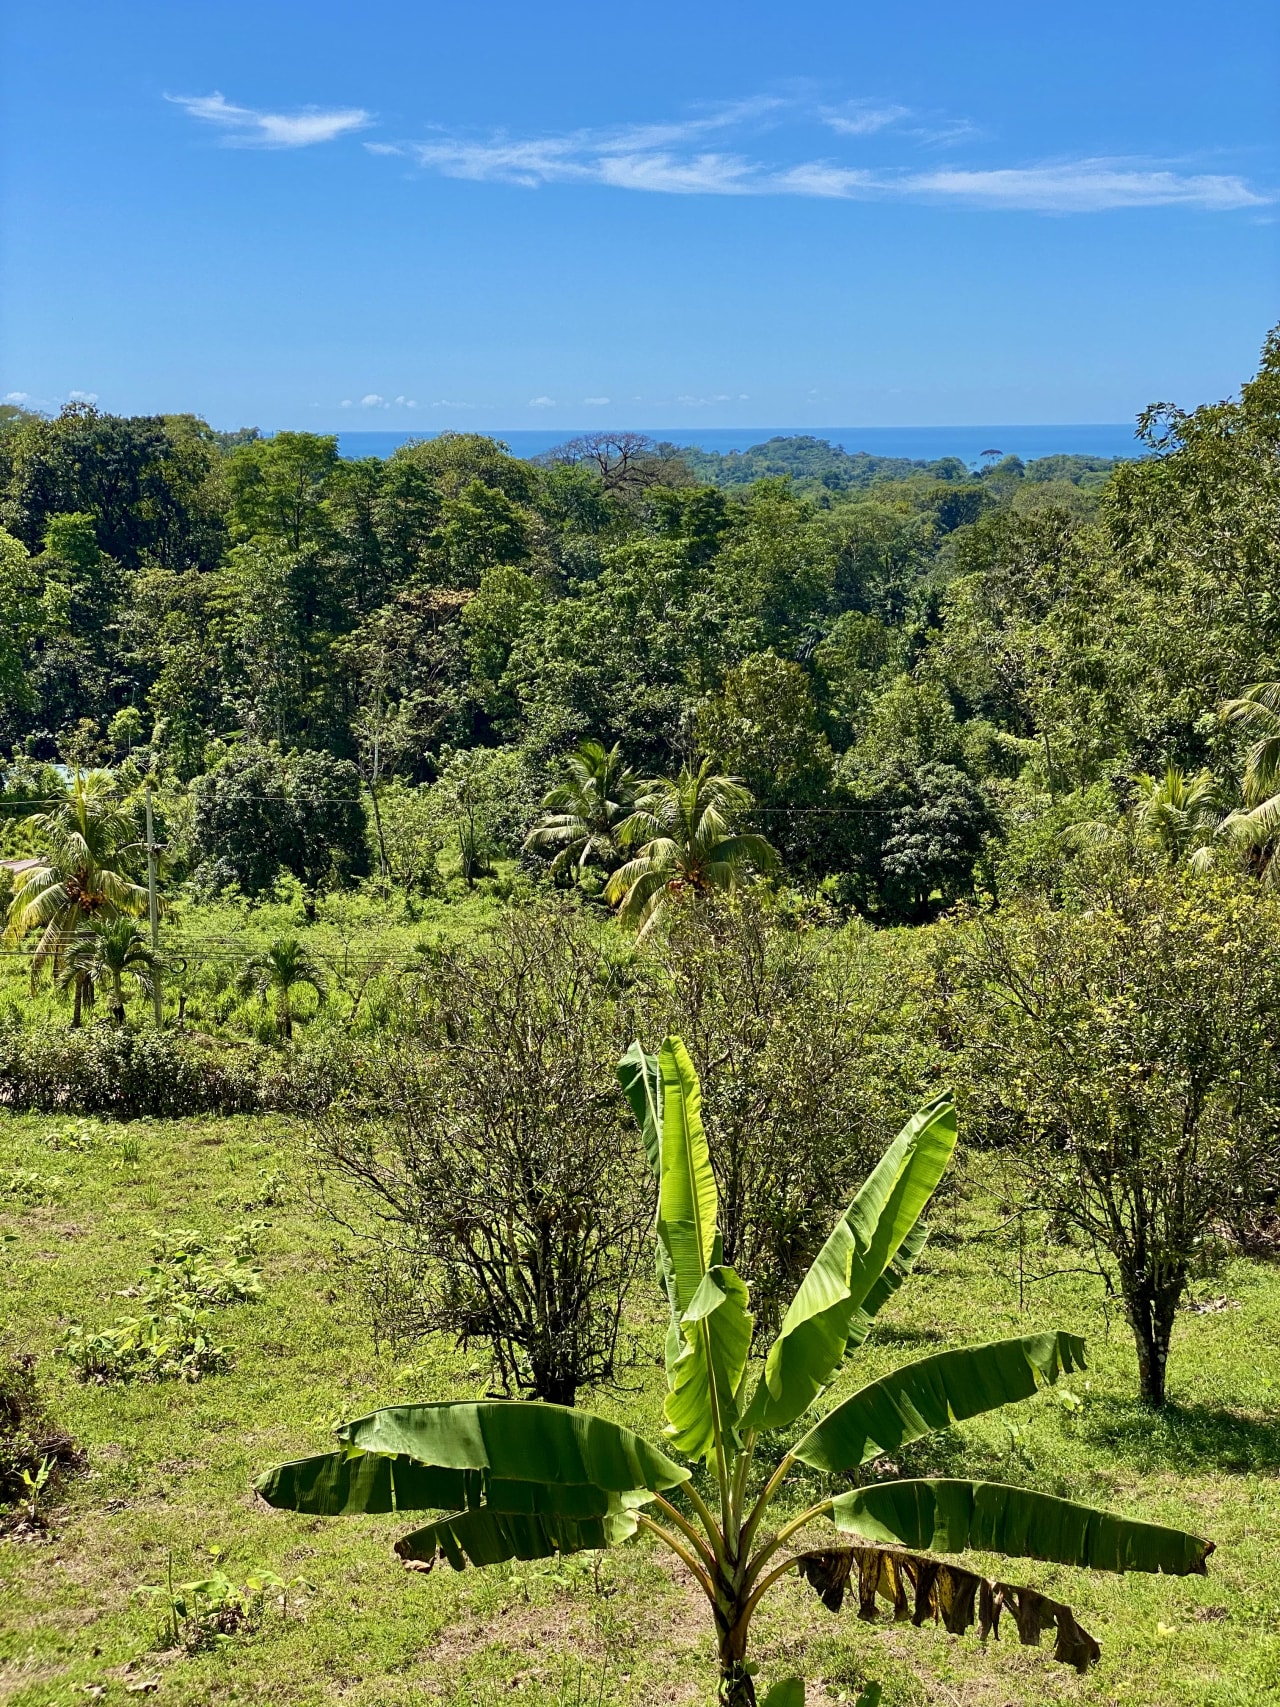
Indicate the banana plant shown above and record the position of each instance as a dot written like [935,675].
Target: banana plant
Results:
[525,1480]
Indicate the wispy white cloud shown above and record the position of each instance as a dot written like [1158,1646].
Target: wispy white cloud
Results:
[595,402]
[17,397]
[249,127]
[1073,186]
[674,159]
[372,400]
[542,403]
[82,397]
[863,118]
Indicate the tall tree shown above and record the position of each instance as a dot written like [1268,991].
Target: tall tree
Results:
[584,813]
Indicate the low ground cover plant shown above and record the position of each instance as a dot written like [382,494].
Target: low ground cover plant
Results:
[211,1611]
[525,1481]
[171,1339]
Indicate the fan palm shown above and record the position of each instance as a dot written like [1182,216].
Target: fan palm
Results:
[584,812]
[1179,813]
[79,877]
[689,845]
[278,971]
[104,953]
[1254,827]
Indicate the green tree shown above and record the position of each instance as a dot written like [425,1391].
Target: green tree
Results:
[688,846]
[534,1480]
[278,488]
[1179,814]
[584,813]
[259,812]
[81,876]
[278,970]
[20,615]
[763,726]
[1121,1045]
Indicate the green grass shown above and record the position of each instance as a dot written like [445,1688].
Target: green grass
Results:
[169,1472]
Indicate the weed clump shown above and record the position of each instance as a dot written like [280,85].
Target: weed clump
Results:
[170,1339]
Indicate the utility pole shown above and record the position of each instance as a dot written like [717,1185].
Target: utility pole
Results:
[153,908]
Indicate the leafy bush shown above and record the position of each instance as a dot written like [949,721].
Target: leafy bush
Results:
[212,1610]
[184,1269]
[174,1346]
[26,1186]
[118,1071]
[171,1341]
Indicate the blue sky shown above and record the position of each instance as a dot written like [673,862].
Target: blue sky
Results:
[415,215]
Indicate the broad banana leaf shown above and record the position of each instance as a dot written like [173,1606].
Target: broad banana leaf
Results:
[489,1537]
[950,1516]
[716,1340]
[687,1201]
[900,1266]
[919,1588]
[336,1484]
[811,1342]
[933,1393]
[642,1086]
[468,1454]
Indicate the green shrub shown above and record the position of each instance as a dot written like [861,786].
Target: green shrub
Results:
[211,1611]
[127,1073]
[174,1346]
[34,1189]
[184,1269]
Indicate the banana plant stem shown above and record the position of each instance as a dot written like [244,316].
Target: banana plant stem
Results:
[681,1552]
[682,1523]
[704,1511]
[760,1588]
[758,1509]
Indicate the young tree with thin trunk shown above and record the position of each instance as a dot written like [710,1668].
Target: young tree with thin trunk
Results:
[1123,1045]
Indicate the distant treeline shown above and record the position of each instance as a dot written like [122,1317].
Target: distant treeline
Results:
[920,671]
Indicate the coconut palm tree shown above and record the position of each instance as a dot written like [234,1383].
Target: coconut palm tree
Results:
[584,812]
[688,844]
[1179,813]
[79,877]
[1253,829]
[106,951]
[279,970]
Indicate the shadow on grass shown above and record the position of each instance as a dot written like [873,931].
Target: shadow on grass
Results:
[1183,1437]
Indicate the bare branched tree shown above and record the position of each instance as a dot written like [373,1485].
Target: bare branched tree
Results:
[500,1193]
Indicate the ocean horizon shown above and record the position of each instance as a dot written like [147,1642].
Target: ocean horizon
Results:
[917,444]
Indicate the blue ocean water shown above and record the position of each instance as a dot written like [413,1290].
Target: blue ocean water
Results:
[922,444]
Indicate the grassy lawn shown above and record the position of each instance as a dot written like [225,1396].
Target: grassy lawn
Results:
[169,1470]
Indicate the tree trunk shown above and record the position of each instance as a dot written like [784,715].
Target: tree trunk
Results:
[1151,1310]
[78,987]
[286,1017]
[117,999]
[558,1389]
[384,869]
